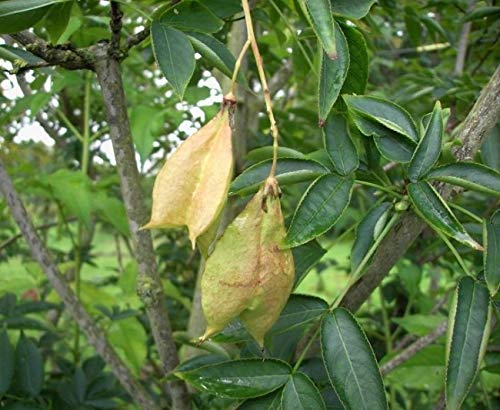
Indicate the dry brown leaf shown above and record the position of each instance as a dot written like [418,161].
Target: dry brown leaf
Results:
[249,274]
[191,188]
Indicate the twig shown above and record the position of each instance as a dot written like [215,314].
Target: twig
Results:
[462,43]
[414,348]
[136,39]
[14,238]
[150,287]
[115,24]
[263,81]
[94,335]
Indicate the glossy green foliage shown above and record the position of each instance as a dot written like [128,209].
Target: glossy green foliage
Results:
[357,75]
[319,208]
[29,367]
[271,401]
[492,253]
[289,171]
[191,15]
[350,362]
[468,332]
[469,175]
[17,15]
[174,55]
[385,113]
[433,209]
[351,9]
[428,148]
[332,75]
[305,257]
[215,52]
[239,378]
[368,230]
[338,143]
[300,393]
[320,14]
[7,360]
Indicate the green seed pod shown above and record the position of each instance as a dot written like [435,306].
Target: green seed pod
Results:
[249,274]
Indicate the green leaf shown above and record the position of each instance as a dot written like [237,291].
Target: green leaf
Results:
[174,54]
[352,9]
[468,175]
[17,15]
[490,150]
[492,253]
[288,171]
[191,15]
[144,121]
[131,349]
[339,145]
[482,12]
[57,20]
[305,257]
[433,210]
[367,232]
[29,367]
[263,153]
[73,190]
[468,332]
[320,17]
[332,75]
[357,75]
[319,208]
[239,378]
[300,393]
[384,112]
[7,360]
[350,362]
[214,51]
[428,148]
[299,311]
[419,325]
[271,401]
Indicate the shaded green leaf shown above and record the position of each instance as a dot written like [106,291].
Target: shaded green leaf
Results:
[29,367]
[143,123]
[7,360]
[320,13]
[191,15]
[174,54]
[300,393]
[428,148]
[319,208]
[482,12]
[468,332]
[17,15]
[132,349]
[350,362]
[214,51]
[288,171]
[367,232]
[352,9]
[468,175]
[384,112]
[332,75]
[263,153]
[239,378]
[339,145]
[357,75]
[200,361]
[271,401]
[492,253]
[305,257]
[57,20]
[433,209]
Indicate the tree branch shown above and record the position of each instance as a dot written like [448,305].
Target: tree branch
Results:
[480,120]
[63,56]
[414,348]
[150,287]
[94,335]
[137,39]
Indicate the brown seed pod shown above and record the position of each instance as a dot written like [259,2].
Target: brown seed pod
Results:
[191,188]
[249,274]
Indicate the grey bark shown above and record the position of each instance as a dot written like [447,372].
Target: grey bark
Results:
[94,334]
[150,287]
[480,120]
